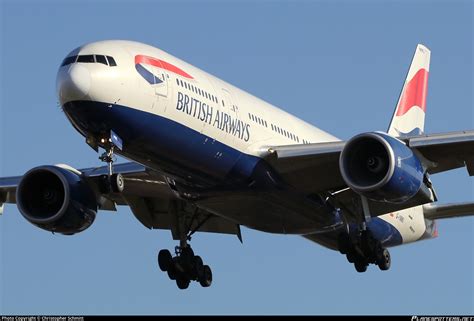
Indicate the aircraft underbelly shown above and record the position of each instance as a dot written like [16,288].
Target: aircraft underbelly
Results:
[270,212]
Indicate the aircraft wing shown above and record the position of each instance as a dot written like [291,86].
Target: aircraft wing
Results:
[314,168]
[146,192]
[446,150]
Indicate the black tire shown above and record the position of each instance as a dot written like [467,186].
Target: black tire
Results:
[164,260]
[172,273]
[187,257]
[343,243]
[360,267]
[206,277]
[104,184]
[384,261]
[117,183]
[198,267]
[182,282]
[350,257]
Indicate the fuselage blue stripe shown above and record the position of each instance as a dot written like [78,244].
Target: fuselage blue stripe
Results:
[155,140]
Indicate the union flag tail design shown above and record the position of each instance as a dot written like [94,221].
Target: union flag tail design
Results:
[409,116]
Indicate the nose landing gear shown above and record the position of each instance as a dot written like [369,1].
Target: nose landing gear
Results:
[112,182]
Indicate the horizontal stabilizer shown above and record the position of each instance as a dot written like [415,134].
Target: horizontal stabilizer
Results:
[436,211]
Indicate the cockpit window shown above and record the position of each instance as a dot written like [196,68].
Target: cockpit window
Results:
[101,59]
[86,58]
[111,61]
[69,60]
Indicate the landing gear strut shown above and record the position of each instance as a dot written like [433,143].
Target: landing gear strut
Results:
[113,182]
[363,248]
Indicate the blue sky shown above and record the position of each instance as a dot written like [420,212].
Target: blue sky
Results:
[339,65]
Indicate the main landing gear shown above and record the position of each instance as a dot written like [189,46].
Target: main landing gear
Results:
[185,267]
[363,248]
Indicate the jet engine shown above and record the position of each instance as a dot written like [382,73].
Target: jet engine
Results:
[56,199]
[381,168]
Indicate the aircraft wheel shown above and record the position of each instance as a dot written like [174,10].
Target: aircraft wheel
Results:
[360,266]
[198,267]
[384,261]
[206,278]
[187,257]
[172,274]
[343,243]
[182,282]
[164,260]
[350,257]
[117,183]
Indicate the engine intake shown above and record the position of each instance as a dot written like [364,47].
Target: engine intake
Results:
[56,199]
[381,168]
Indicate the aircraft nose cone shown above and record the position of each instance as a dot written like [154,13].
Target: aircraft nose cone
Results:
[73,83]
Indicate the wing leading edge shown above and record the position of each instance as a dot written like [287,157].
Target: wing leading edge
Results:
[146,192]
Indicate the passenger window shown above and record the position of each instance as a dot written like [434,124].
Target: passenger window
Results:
[68,60]
[111,60]
[86,58]
[101,59]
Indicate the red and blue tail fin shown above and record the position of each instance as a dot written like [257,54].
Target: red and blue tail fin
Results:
[409,116]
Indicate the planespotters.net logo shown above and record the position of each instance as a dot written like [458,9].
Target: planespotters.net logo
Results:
[417,318]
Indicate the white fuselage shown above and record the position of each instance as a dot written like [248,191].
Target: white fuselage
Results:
[149,80]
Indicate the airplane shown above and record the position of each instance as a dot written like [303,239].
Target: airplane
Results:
[206,156]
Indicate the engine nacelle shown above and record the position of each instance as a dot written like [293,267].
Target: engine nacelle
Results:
[381,168]
[56,200]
